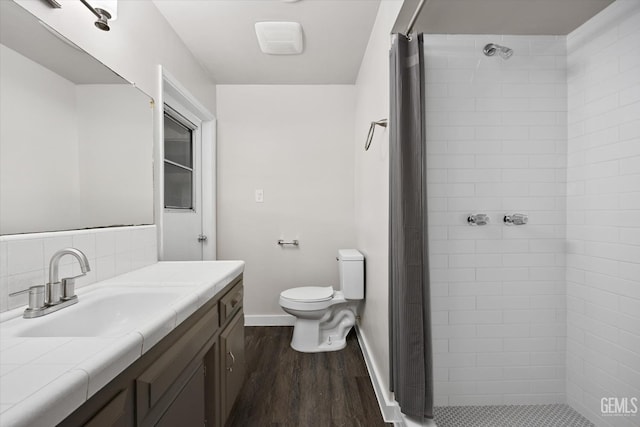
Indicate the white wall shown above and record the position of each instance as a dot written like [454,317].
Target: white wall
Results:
[372,189]
[294,143]
[496,141]
[115,129]
[39,147]
[603,207]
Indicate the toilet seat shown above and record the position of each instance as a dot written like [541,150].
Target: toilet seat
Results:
[308,294]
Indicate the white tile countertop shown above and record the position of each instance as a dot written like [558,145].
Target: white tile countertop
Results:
[44,379]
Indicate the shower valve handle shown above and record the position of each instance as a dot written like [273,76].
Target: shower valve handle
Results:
[516,219]
[478,219]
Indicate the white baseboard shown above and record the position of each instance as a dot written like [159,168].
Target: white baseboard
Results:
[269,320]
[389,408]
[411,422]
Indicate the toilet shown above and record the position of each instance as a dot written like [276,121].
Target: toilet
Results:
[325,316]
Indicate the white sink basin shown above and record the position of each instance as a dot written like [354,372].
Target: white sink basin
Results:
[104,312]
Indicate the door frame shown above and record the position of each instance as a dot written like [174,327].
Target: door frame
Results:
[170,86]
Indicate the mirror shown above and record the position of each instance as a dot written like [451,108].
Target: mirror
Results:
[76,139]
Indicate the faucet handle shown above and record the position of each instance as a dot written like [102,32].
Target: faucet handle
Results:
[69,286]
[36,296]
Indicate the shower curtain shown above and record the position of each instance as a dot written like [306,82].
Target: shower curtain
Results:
[409,300]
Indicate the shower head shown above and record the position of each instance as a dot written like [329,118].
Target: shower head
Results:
[491,49]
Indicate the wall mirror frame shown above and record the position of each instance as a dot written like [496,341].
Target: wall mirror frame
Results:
[76,139]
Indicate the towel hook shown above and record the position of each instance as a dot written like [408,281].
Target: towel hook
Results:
[381,122]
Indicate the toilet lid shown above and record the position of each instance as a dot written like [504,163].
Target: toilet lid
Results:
[309,293]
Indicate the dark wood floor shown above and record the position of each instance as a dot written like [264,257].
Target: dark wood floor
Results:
[292,389]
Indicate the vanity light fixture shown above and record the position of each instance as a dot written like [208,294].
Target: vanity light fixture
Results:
[54,4]
[104,10]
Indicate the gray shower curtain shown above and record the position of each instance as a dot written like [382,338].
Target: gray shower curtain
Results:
[409,300]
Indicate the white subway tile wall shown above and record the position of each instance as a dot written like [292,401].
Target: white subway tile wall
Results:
[24,258]
[496,138]
[603,212]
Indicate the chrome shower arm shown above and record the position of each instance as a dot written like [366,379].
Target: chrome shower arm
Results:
[95,12]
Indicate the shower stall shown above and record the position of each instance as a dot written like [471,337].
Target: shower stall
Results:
[539,302]
[497,145]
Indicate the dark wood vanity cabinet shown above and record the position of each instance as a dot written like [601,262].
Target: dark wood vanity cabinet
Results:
[233,364]
[191,377]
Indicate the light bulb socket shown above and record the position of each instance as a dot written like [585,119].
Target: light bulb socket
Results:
[102,24]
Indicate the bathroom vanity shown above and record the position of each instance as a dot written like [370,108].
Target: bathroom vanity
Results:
[181,365]
[191,377]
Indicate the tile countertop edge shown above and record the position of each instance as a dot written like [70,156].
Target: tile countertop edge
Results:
[40,410]
[102,367]
[54,401]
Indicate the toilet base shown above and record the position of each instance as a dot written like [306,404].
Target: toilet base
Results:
[321,335]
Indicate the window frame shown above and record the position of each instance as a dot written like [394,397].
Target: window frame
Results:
[173,115]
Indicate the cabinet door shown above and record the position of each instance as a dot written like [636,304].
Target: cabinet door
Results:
[233,363]
[118,412]
[157,385]
[188,407]
[212,386]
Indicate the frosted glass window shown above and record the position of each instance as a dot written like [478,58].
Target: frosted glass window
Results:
[178,164]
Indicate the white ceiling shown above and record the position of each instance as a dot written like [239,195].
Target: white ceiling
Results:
[514,17]
[221,35]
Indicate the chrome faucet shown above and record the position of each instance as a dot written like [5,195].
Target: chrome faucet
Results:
[56,294]
[64,289]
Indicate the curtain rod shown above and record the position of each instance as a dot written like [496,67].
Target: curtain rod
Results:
[414,18]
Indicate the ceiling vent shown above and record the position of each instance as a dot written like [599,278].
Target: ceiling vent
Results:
[280,38]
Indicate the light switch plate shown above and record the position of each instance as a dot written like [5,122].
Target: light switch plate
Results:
[259,196]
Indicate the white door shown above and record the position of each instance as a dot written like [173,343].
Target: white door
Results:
[183,238]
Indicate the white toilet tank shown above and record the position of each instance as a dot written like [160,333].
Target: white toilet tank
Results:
[351,269]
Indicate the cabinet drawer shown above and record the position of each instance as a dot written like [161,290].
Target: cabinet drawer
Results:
[231,302]
[164,374]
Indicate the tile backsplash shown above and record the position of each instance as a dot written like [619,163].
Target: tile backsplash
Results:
[24,258]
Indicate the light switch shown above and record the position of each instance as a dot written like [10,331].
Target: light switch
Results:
[259,196]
